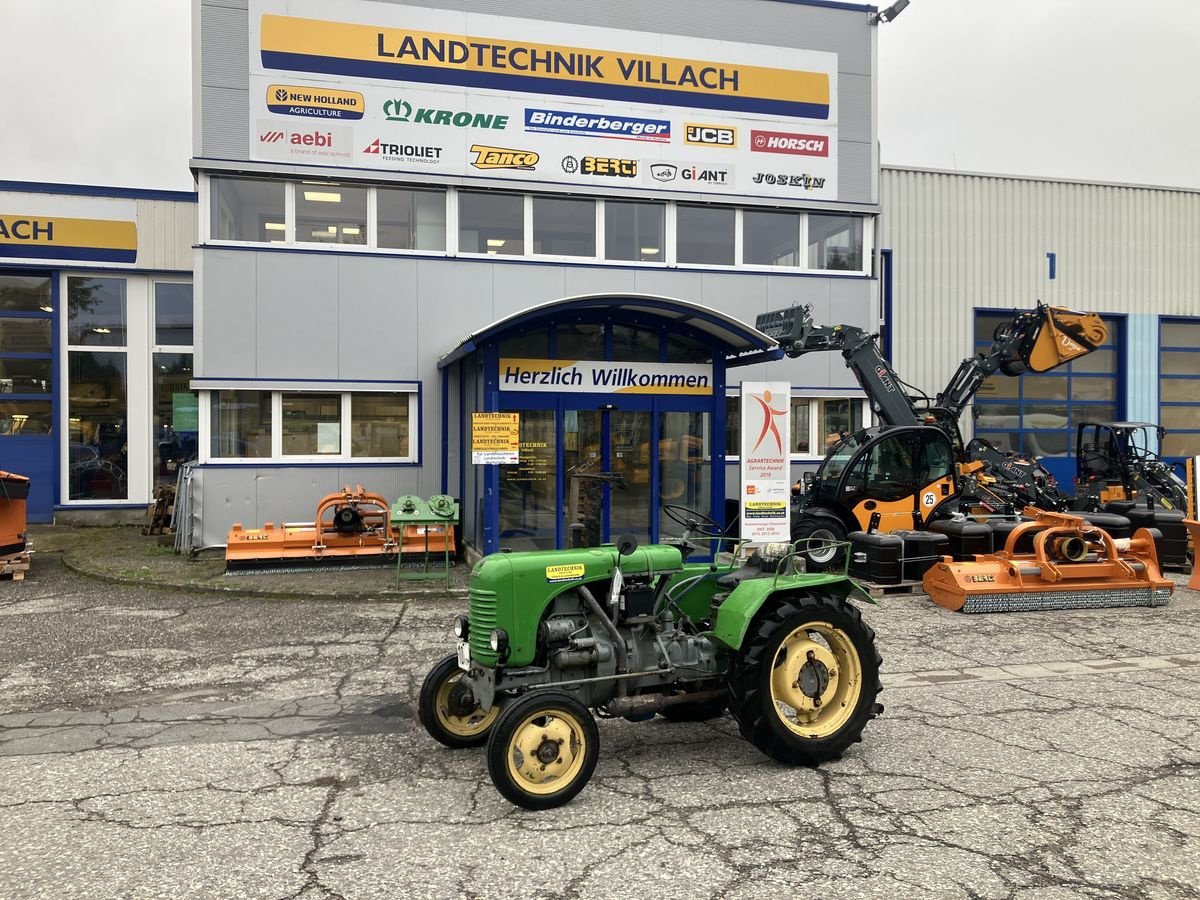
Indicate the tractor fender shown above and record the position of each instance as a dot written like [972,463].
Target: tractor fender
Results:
[754,597]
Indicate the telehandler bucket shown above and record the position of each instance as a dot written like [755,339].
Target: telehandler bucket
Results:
[1074,565]
[351,525]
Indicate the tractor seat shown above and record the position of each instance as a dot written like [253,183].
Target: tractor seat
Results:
[763,561]
[748,569]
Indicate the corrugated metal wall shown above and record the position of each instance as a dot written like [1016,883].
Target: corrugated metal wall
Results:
[962,241]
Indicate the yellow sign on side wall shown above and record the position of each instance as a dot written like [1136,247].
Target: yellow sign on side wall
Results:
[495,439]
[61,238]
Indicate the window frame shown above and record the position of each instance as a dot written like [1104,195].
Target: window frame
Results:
[1163,347]
[733,453]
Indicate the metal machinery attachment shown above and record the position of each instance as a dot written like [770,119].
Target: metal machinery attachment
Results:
[1114,461]
[1072,565]
[352,524]
[14,492]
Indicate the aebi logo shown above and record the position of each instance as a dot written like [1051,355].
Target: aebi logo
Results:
[271,137]
[298,138]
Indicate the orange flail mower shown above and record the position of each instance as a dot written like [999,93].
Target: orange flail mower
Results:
[1193,528]
[14,492]
[353,524]
[1072,565]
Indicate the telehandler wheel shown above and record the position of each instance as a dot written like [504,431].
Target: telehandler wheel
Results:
[804,685]
[820,553]
[543,749]
[448,710]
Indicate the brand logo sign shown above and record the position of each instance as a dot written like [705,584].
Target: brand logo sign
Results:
[807,182]
[555,121]
[503,158]
[398,110]
[592,376]
[25,236]
[686,172]
[320,103]
[605,166]
[271,137]
[411,153]
[710,135]
[330,142]
[784,142]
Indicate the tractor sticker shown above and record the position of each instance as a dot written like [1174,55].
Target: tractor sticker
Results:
[566,572]
[928,498]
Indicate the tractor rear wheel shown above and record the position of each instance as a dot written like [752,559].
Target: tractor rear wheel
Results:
[543,749]
[448,709]
[804,685]
[819,548]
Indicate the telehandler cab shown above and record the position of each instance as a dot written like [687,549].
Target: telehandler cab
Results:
[629,631]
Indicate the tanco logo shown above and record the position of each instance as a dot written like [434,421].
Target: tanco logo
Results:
[503,158]
[402,111]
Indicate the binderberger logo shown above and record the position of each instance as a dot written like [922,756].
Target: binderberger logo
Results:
[503,158]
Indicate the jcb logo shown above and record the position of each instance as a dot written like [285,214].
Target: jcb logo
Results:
[710,135]
[503,158]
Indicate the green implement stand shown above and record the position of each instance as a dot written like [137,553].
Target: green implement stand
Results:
[425,529]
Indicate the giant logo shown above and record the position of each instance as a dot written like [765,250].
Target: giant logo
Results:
[785,142]
[503,158]
[321,103]
[398,110]
[719,176]
[556,121]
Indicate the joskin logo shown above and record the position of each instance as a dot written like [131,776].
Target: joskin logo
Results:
[710,135]
[319,103]
[605,166]
[402,111]
[807,182]
[785,142]
[555,121]
[503,158]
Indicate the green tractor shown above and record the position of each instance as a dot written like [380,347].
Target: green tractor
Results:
[632,632]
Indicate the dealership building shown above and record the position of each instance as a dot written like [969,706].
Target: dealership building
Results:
[405,216]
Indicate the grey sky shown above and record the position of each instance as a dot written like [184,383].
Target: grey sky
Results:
[99,91]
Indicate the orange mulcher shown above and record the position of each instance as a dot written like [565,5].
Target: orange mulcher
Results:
[14,491]
[1193,528]
[1074,565]
[351,525]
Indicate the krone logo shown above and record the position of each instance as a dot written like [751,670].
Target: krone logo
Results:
[397,110]
[503,158]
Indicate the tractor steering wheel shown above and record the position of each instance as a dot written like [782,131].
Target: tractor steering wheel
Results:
[693,520]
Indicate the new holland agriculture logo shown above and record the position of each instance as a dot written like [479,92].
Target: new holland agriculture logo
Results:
[402,111]
[320,103]
[503,158]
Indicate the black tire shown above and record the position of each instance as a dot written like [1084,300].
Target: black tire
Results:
[831,652]
[531,726]
[819,532]
[448,710]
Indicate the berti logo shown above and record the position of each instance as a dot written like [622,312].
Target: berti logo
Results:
[398,110]
[503,158]
[271,137]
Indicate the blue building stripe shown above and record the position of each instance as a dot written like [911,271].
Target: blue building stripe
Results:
[391,71]
[81,254]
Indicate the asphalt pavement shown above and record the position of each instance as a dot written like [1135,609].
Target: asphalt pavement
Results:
[194,740]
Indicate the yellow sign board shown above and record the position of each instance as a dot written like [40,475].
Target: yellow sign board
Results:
[495,438]
[568,572]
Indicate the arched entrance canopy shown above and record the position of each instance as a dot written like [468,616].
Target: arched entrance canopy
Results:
[741,344]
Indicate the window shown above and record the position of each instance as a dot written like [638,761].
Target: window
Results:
[705,235]
[312,424]
[27,375]
[491,223]
[25,293]
[564,226]
[835,242]
[411,219]
[175,420]
[172,314]
[1037,413]
[635,231]
[246,209]
[835,418]
[801,439]
[1179,386]
[331,214]
[96,312]
[816,423]
[770,238]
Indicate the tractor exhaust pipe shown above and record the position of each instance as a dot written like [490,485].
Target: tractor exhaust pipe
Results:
[594,607]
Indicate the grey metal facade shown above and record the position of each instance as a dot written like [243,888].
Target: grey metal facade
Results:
[340,318]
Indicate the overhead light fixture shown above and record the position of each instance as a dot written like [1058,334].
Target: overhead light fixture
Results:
[47,308]
[889,14]
[491,253]
[649,251]
[323,196]
[332,229]
[495,242]
[102,330]
[351,229]
[274,226]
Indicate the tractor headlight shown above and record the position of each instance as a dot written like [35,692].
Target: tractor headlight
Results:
[498,640]
[462,627]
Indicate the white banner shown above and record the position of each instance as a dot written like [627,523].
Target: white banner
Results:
[765,468]
[384,87]
[596,377]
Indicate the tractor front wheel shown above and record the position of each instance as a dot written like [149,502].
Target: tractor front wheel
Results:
[804,685]
[449,711]
[543,749]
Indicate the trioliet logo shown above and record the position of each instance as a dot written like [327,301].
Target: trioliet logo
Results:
[503,158]
[405,152]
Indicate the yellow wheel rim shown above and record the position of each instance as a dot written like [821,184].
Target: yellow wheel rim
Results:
[816,680]
[547,751]
[456,721]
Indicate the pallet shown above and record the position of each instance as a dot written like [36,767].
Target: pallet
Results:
[903,589]
[15,567]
